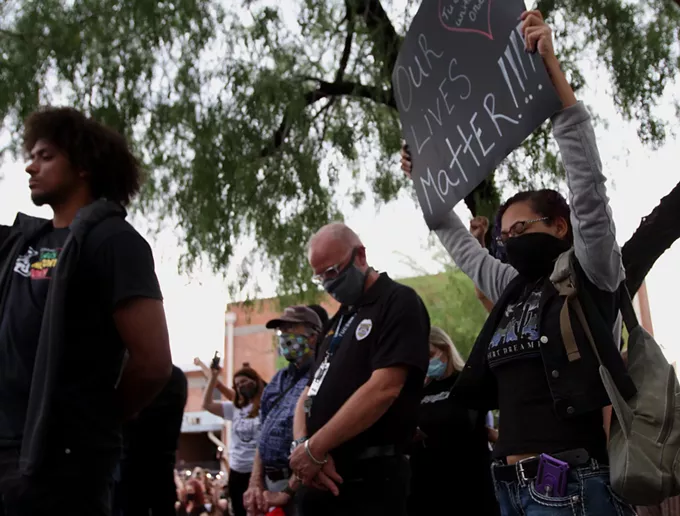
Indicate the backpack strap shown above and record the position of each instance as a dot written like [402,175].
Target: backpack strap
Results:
[627,310]
[562,280]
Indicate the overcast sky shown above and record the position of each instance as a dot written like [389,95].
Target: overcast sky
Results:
[638,178]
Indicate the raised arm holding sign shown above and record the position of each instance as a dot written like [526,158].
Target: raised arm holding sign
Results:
[561,415]
[468,94]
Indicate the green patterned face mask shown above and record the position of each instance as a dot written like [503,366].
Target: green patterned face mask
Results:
[294,348]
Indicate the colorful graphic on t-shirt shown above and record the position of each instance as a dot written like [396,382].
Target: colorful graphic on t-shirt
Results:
[518,331]
[37,265]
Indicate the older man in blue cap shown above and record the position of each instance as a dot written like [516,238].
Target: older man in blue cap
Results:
[271,482]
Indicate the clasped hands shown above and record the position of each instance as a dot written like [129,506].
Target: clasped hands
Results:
[257,500]
[313,474]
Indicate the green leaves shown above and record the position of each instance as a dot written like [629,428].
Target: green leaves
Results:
[246,119]
[638,43]
[453,306]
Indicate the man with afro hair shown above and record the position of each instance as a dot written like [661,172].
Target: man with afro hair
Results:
[83,337]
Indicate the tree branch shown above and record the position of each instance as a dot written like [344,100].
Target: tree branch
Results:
[356,89]
[324,108]
[484,199]
[325,117]
[324,90]
[653,237]
[344,59]
[546,7]
[386,41]
[12,34]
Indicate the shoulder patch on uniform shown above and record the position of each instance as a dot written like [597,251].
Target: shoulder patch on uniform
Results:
[363,329]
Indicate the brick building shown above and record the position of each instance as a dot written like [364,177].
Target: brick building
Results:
[202,432]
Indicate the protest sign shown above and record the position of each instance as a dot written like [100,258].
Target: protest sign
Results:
[468,94]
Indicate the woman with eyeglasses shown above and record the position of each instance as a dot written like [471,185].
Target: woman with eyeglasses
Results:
[551,454]
[243,410]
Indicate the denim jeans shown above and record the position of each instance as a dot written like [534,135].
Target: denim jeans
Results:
[588,494]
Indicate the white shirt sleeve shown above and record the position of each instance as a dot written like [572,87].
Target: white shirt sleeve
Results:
[228,410]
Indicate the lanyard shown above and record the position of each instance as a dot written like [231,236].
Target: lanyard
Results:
[323,368]
[342,329]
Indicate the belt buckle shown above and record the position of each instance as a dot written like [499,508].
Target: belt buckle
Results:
[519,465]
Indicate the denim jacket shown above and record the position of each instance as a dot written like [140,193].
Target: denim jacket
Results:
[576,386]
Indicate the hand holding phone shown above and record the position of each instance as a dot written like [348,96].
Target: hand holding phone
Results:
[215,364]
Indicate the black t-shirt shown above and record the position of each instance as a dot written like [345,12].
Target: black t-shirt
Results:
[20,328]
[389,327]
[447,424]
[454,454]
[528,421]
[115,265]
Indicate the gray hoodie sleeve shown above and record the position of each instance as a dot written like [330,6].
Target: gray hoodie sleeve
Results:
[594,233]
[489,274]
[595,243]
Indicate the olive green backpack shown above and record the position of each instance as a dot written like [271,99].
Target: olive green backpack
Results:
[644,440]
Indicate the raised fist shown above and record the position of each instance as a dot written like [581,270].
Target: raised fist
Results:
[478,227]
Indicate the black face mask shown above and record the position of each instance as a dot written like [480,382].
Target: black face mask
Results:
[191,497]
[248,392]
[533,255]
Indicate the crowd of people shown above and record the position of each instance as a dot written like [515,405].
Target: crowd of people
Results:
[260,478]
[201,493]
[376,413]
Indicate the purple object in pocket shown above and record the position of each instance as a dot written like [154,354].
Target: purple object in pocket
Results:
[551,479]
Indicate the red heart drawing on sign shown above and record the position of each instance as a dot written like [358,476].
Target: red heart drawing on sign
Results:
[450,11]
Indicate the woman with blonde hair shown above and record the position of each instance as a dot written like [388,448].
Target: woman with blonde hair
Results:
[443,344]
[450,458]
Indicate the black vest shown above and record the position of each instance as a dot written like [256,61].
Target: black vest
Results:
[576,387]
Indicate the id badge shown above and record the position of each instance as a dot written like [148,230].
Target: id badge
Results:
[319,377]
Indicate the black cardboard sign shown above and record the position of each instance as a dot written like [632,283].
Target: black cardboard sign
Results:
[468,94]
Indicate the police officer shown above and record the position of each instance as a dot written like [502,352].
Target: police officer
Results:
[360,408]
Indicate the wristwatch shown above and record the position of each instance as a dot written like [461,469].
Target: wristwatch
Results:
[296,443]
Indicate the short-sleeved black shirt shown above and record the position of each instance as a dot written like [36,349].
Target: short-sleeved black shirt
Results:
[115,265]
[390,328]
[455,452]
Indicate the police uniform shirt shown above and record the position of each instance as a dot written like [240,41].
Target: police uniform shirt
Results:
[388,327]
